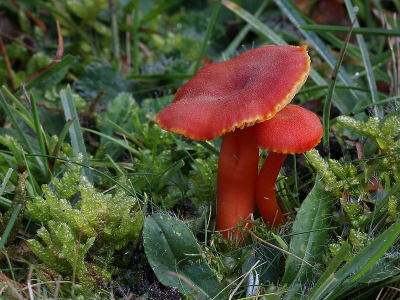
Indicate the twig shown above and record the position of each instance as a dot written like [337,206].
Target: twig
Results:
[57,57]
[11,286]
[280,249]
[11,38]
[35,20]
[29,283]
[243,279]
[185,280]
[8,64]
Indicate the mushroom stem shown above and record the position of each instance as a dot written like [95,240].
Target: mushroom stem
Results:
[237,175]
[265,189]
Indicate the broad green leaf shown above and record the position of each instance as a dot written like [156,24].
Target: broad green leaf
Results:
[173,254]
[313,214]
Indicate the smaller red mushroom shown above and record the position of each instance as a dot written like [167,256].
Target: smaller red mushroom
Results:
[292,130]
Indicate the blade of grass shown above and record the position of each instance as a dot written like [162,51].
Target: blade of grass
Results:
[159,76]
[328,99]
[159,9]
[242,34]
[345,29]
[38,129]
[114,165]
[328,277]
[114,28]
[264,30]
[27,120]
[288,9]
[135,34]
[365,54]
[87,167]
[363,261]
[66,61]
[5,181]
[116,141]
[129,135]
[210,27]
[19,105]
[9,226]
[61,138]
[209,147]
[166,176]
[21,134]
[75,131]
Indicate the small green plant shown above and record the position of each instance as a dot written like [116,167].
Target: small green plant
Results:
[77,237]
[361,186]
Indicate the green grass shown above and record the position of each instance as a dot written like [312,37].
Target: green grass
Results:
[101,98]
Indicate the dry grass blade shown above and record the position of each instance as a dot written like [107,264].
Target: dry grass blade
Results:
[30,15]
[280,249]
[8,64]
[29,283]
[76,255]
[185,280]
[57,57]
[11,286]
[15,40]
[243,279]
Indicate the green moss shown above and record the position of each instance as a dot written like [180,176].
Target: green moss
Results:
[108,222]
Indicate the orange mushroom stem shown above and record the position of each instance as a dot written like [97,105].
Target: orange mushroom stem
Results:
[237,176]
[265,189]
[292,130]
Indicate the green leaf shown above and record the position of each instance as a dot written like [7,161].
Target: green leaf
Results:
[75,131]
[313,214]
[171,247]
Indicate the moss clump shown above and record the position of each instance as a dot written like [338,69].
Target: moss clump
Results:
[98,224]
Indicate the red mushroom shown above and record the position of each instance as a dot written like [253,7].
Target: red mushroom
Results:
[237,93]
[292,130]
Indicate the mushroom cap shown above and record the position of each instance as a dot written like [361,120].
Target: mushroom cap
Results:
[239,92]
[292,130]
